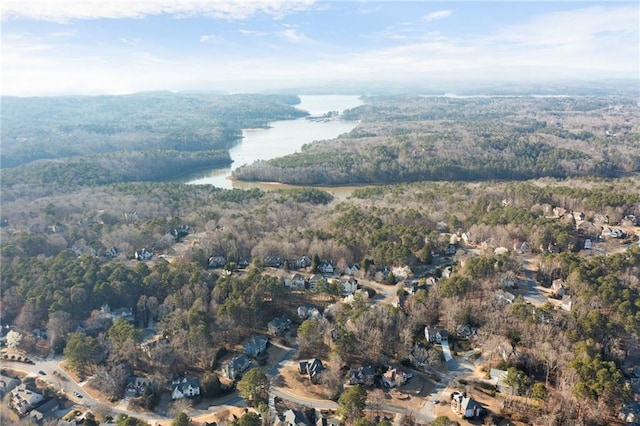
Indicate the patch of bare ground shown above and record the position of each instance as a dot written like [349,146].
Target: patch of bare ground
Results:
[411,395]
[291,379]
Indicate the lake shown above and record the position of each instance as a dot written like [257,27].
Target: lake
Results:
[280,139]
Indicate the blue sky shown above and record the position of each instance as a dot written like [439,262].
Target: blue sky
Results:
[121,46]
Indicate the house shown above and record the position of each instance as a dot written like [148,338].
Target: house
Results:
[136,387]
[111,252]
[255,346]
[557,288]
[326,267]
[578,216]
[233,369]
[314,280]
[296,282]
[308,311]
[179,232]
[183,387]
[508,352]
[273,261]
[382,274]
[44,410]
[588,244]
[612,232]
[294,418]
[567,302]
[360,294]
[451,249]
[601,218]
[303,262]
[465,407]
[352,269]
[508,282]
[559,211]
[505,296]
[410,287]
[243,263]
[124,313]
[435,334]
[394,378]
[465,331]
[447,271]
[321,420]
[631,220]
[349,286]
[143,254]
[216,262]
[312,368]
[7,384]
[362,376]
[24,398]
[522,248]
[278,325]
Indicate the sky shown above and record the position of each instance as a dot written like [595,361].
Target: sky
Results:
[121,46]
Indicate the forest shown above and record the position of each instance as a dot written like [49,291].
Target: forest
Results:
[56,274]
[61,127]
[72,221]
[404,138]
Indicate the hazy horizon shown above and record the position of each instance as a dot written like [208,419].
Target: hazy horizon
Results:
[117,47]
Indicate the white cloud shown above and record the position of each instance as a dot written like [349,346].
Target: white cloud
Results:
[294,35]
[210,38]
[253,33]
[130,41]
[66,10]
[587,42]
[440,14]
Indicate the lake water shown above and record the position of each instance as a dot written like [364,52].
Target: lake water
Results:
[282,138]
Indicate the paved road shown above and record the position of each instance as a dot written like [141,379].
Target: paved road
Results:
[532,294]
[60,379]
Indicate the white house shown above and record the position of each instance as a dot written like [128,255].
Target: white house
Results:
[349,286]
[185,388]
[464,406]
[296,282]
[352,269]
[435,334]
[24,398]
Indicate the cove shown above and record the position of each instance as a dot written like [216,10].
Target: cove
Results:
[281,138]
